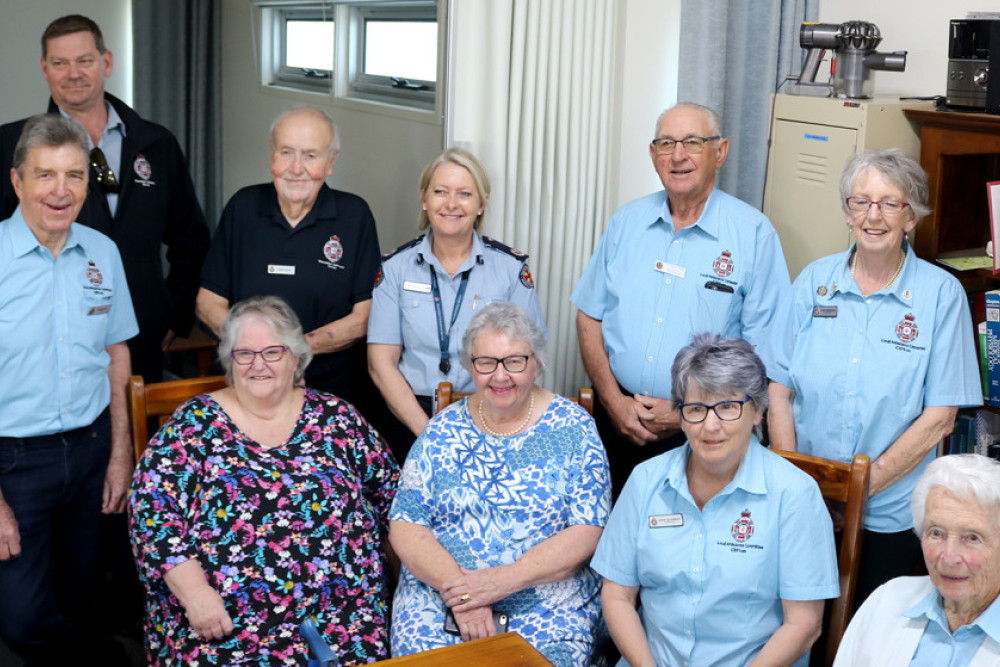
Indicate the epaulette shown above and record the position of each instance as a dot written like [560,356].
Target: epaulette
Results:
[405,246]
[496,245]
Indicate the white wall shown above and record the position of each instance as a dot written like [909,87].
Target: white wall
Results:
[21,27]
[919,27]
[382,151]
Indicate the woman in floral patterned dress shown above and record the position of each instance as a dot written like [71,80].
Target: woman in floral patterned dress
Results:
[501,504]
[260,505]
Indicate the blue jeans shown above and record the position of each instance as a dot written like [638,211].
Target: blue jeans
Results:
[54,486]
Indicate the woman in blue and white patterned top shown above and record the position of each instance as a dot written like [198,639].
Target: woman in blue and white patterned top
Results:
[502,501]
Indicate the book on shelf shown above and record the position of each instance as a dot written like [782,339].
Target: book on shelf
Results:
[993,198]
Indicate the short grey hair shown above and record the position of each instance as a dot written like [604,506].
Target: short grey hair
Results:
[714,119]
[969,477]
[334,148]
[900,169]
[720,366]
[279,316]
[508,319]
[462,158]
[49,130]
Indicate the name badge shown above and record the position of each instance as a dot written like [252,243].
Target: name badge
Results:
[825,311]
[281,269]
[716,286]
[100,310]
[411,286]
[672,269]
[666,520]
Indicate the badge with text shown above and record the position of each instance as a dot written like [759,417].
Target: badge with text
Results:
[94,275]
[670,269]
[825,311]
[906,329]
[100,310]
[723,264]
[743,528]
[281,269]
[333,251]
[143,170]
[410,286]
[666,520]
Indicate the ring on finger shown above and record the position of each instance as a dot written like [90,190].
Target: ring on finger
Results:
[465,597]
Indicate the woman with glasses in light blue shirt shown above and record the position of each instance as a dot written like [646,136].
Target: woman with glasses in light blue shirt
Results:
[728,546]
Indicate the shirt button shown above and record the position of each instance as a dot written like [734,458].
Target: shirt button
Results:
[649,358]
[688,633]
[700,535]
[667,281]
[694,600]
[63,375]
[861,330]
[695,569]
[850,393]
[676,242]
[659,320]
[854,361]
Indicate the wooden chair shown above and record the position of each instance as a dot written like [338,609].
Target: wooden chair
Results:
[445,397]
[845,483]
[159,400]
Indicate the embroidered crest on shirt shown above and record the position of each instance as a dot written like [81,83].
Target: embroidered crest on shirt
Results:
[143,170]
[525,277]
[94,275]
[723,264]
[333,251]
[907,329]
[743,528]
[379,276]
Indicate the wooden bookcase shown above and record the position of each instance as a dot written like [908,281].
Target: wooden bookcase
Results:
[960,153]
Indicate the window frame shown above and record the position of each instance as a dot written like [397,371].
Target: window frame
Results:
[296,77]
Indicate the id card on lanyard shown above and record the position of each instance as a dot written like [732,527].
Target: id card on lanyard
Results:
[444,335]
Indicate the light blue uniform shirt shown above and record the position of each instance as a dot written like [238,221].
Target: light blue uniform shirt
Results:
[111,145]
[864,369]
[938,647]
[56,317]
[711,582]
[403,307]
[653,288]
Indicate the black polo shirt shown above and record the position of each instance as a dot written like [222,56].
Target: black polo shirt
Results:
[321,267]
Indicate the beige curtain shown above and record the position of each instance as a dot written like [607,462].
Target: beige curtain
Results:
[529,91]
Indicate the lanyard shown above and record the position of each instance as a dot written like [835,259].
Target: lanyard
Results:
[444,337]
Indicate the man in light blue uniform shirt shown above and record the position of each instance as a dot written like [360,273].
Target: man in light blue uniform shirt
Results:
[403,309]
[685,260]
[65,449]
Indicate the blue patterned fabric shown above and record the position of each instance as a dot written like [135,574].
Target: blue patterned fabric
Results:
[488,501]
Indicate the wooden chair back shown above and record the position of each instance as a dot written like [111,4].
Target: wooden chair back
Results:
[845,483]
[445,397]
[159,400]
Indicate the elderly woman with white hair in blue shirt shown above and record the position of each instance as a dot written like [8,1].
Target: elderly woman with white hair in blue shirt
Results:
[952,616]
[728,546]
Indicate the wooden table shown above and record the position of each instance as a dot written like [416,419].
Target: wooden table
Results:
[506,650]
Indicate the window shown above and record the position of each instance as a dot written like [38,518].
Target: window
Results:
[378,50]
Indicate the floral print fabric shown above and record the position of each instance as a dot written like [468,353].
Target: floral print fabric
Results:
[282,533]
[489,500]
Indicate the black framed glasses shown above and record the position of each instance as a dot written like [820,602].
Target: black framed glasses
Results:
[693,145]
[515,363]
[270,354]
[887,206]
[727,411]
[105,176]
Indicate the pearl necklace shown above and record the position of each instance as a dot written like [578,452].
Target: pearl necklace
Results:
[524,422]
[892,279]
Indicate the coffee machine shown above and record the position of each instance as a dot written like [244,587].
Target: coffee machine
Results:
[855,59]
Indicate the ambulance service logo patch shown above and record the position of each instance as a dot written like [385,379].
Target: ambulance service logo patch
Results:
[143,170]
[333,251]
[723,265]
[526,278]
[94,275]
[743,528]
[907,330]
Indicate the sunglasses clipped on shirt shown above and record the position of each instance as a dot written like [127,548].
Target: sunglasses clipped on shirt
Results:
[105,176]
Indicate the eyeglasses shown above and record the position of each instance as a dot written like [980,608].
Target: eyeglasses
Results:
[270,355]
[887,206]
[727,411]
[515,363]
[105,176]
[692,145]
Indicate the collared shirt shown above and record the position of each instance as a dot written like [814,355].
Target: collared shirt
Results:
[403,307]
[938,646]
[56,317]
[111,145]
[711,582]
[322,266]
[653,286]
[864,368]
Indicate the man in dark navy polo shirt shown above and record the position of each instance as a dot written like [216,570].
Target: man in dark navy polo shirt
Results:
[298,239]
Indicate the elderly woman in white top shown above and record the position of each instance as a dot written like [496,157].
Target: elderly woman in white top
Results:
[951,617]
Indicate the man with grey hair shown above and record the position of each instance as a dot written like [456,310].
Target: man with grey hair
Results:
[65,445]
[313,246]
[686,259]
[140,193]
